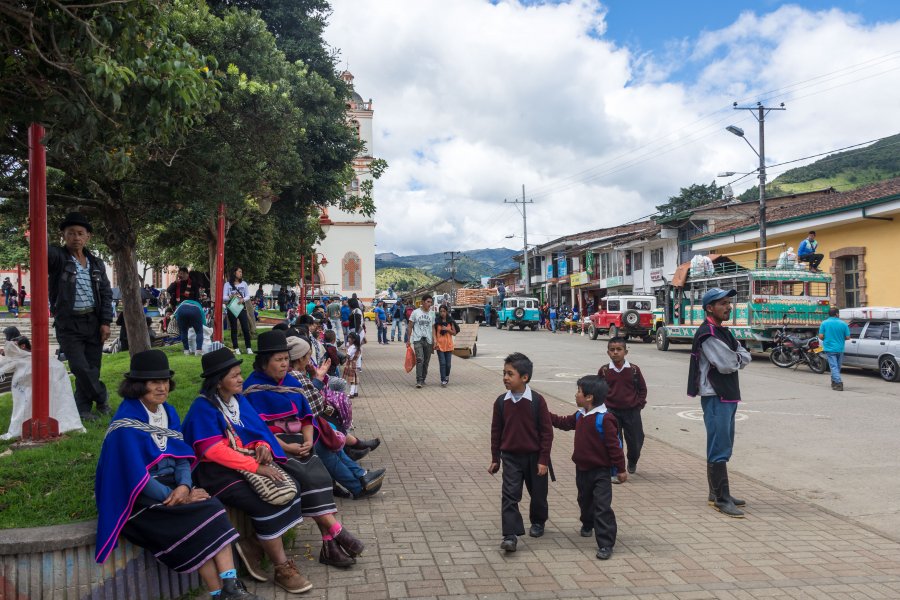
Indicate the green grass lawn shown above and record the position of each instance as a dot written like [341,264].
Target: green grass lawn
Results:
[272,314]
[54,483]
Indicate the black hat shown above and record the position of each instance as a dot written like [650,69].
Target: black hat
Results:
[76,218]
[271,342]
[148,365]
[11,333]
[217,361]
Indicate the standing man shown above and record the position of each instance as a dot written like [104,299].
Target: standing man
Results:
[716,358]
[421,335]
[81,303]
[381,322]
[833,332]
[807,252]
[501,291]
[333,312]
[398,313]
[8,289]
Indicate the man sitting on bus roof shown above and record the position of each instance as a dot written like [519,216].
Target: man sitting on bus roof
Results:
[807,252]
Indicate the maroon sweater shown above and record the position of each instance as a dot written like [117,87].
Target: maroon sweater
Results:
[591,450]
[517,432]
[622,391]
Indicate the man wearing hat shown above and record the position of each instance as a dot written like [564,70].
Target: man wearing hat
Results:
[81,304]
[716,358]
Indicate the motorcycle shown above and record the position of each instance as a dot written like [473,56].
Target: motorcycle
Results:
[791,350]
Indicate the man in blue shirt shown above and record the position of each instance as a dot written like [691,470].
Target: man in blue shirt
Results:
[833,332]
[807,252]
[381,322]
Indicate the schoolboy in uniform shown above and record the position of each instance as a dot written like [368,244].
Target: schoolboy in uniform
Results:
[626,399]
[597,457]
[521,437]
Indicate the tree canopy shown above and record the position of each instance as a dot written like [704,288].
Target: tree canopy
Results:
[697,194]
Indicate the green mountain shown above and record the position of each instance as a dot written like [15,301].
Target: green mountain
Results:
[402,279]
[471,265]
[842,170]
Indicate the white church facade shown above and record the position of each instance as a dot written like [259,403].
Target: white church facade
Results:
[348,249]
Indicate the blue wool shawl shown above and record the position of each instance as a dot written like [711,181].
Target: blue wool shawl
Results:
[204,426]
[126,457]
[272,404]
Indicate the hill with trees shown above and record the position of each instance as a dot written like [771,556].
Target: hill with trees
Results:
[471,265]
[402,279]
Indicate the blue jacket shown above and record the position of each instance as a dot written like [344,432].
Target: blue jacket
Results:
[807,248]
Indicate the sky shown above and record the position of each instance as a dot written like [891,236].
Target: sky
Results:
[602,110]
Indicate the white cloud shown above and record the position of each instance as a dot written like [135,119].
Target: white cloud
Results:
[473,99]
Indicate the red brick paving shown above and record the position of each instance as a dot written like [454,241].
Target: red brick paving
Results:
[434,530]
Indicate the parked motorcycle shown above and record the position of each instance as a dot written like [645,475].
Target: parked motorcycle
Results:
[791,350]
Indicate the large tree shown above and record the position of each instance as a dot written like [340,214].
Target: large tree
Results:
[697,194]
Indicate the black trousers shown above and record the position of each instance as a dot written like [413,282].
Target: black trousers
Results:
[79,340]
[519,469]
[595,502]
[631,428]
[812,259]
[245,326]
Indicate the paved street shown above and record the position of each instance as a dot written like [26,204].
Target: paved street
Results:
[434,530]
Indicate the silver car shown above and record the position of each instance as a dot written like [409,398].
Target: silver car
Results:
[874,344]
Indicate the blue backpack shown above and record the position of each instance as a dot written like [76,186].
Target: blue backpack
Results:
[599,425]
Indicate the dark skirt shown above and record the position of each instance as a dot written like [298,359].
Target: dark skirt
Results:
[269,521]
[314,482]
[182,537]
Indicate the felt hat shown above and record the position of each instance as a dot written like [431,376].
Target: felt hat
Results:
[148,365]
[297,348]
[218,361]
[271,342]
[715,294]
[76,218]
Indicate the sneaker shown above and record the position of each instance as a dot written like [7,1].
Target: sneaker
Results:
[586,531]
[187,352]
[632,468]
[604,553]
[509,543]
[249,351]
[237,351]
[198,353]
[418,386]
[233,589]
[251,554]
[444,384]
[537,530]
[615,480]
[288,578]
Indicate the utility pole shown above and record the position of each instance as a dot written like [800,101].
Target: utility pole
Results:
[759,112]
[454,256]
[524,202]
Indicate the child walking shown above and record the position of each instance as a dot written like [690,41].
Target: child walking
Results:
[521,438]
[354,354]
[626,399]
[597,457]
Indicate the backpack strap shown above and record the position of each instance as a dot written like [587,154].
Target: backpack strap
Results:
[599,424]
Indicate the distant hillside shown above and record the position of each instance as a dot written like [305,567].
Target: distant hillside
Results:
[402,280]
[843,171]
[471,265]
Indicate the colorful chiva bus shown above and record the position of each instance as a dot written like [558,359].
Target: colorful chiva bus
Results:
[766,299]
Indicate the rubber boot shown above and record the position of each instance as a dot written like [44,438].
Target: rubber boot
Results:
[712,494]
[724,503]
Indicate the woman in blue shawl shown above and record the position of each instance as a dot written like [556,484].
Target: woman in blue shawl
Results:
[275,395]
[144,491]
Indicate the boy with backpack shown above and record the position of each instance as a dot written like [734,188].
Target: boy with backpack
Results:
[626,398]
[597,457]
[521,438]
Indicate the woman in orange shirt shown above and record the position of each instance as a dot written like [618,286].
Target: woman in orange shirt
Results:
[444,330]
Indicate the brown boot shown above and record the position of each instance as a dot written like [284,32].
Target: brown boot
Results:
[349,542]
[251,554]
[289,578]
[333,555]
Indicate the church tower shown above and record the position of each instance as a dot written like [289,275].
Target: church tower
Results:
[349,244]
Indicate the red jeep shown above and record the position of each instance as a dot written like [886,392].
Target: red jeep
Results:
[624,316]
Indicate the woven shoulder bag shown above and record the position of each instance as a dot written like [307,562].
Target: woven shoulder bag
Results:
[276,493]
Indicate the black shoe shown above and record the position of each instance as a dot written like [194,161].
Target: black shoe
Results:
[370,444]
[356,453]
[632,468]
[233,589]
[586,531]
[88,416]
[604,553]
[340,491]
[372,478]
[839,387]
[537,530]
[332,554]
[509,543]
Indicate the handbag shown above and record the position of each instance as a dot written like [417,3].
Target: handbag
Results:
[172,327]
[276,493]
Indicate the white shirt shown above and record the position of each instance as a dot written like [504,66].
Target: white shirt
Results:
[422,324]
[160,419]
[597,410]
[625,365]
[526,395]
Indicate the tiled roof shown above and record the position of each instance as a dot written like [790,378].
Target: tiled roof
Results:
[819,203]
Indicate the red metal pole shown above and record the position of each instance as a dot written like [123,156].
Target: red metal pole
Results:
[220,277]
[302,284]
[40,426]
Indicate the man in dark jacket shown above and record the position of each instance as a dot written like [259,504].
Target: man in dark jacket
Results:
[81,304]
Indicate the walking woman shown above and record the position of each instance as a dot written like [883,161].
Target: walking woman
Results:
[184,297]
[236,293]
[275,395]
[228,436]
[445,328]
[144,490]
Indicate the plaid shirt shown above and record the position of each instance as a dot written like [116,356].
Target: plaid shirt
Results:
[84,293]
[313,396]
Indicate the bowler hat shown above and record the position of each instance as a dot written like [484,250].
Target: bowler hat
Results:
[76,218]
[271,342]
[218,361]
[715,294]
[149,365]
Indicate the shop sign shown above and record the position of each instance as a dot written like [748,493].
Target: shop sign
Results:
[580,278]
[656,274]
[589,263]
[562,267]
[550,271]
[613,281]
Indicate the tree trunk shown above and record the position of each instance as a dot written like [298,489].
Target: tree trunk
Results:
[121,240]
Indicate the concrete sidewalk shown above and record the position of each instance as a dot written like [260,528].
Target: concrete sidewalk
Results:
[434,530]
